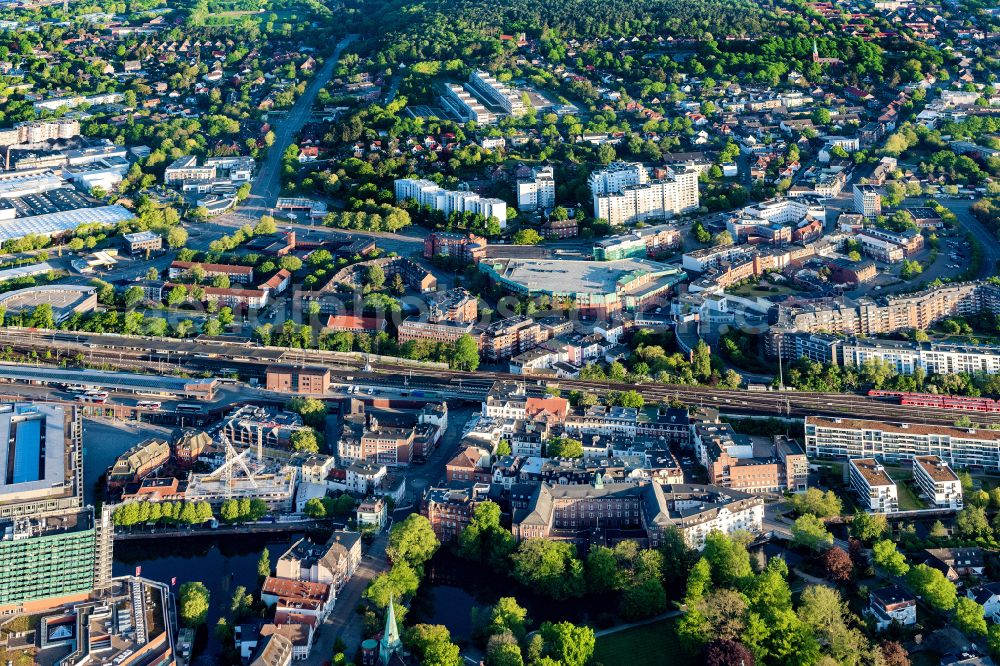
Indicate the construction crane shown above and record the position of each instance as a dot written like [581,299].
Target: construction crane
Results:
[233,460]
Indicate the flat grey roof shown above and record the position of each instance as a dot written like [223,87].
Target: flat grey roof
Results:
[99,378]
[567,276]
[53,223]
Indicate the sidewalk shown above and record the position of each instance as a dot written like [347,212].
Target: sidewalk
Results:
[630,625]
[344,622]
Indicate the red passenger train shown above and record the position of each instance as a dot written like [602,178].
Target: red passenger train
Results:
[940,401]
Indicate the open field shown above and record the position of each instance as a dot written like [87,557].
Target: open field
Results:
[653,644]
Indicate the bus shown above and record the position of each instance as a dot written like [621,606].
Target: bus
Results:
[187,407]
[149,404]
[74,388]
[93,398]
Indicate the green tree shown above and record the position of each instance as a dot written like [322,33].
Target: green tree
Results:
[42,317]
[816,502]
[484,539]
[265,226]
[315,509]
[567,643]
[304,440]
[398,582]
[374,277]
[193,602]
[134,295]
[312,411]
[551,567]
[177,237]
[412,540]
[729,559]
[970,617]
[564,447]
[869,526]
[264,563]
[432,645]
[887,557]
[971,523]
[466,354]
[507,615]
[527,237]
[930,584]
[241,604]
[809,531]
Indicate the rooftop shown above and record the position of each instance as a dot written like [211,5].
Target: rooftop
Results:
[935,468]
[872,471]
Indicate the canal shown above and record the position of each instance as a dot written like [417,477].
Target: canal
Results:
[221,563]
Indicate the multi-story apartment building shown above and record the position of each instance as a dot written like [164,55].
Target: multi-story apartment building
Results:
[640,243]
[250,426]
[937,482]
[496,93]
[55,551]
[138,462]
[465,106]
[900,442]
[599,512]
[37,131]
[867,201]
[435,331]
[624,194]
[509,337]
[910,241]
[429,193]
[537,192]
[603,420]
[875,489]
[464,247]
[739,462]
[313,380]
[450,510]
[905,356]
[889,314]
[880,249]
[456,305]
[235,273]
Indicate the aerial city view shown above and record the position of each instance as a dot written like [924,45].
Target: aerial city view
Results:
[500,332]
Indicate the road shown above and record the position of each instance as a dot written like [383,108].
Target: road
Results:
[266,185]
[344,622]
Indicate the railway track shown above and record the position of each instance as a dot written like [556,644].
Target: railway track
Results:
[161,355]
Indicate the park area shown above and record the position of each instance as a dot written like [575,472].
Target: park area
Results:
[653,644]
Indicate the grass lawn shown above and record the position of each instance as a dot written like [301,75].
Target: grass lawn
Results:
[653,644]
[908,500]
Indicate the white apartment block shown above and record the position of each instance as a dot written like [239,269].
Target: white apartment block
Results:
[36,131]
[828,437]
[880,250]
[875,490]
[537,192]
[616,177]
[429,193]
[937,482]
[56,103]
[786,210]
[459,101]
[496,93]
[745,516]
[867,201]
[933,357]
[624,194]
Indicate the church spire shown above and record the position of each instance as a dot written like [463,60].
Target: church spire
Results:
[390,642]
[815,51]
